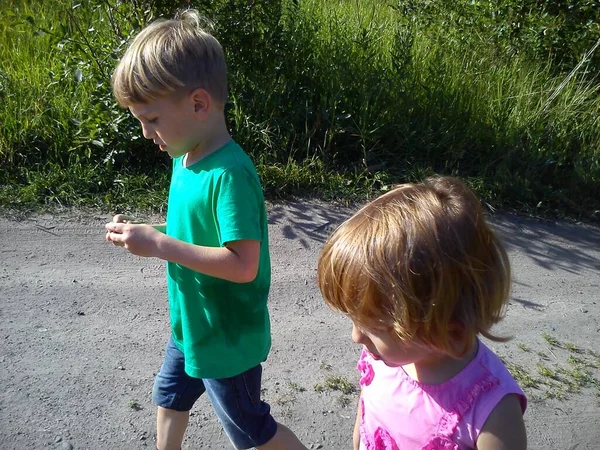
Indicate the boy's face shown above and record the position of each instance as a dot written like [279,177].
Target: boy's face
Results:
[171,122]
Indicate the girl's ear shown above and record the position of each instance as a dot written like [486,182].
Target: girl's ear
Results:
[455,328]
[459,335]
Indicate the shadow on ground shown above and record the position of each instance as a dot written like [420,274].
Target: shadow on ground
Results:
[309,221]
[552,246]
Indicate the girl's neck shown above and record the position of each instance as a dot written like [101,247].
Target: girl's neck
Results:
[441,368]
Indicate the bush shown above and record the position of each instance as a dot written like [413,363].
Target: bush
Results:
[343,98]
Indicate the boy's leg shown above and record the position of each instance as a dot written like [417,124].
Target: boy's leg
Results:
[245,417]
[284,439]
[174,393]
[170,428]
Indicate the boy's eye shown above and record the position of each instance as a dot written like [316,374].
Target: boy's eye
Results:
[153,121]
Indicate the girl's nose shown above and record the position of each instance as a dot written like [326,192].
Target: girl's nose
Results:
[357,336]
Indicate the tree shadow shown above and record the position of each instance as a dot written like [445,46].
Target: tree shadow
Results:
[526,304]
[551,245]
[307,220]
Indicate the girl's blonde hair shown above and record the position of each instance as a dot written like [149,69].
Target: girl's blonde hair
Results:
[423,260]
[171,56]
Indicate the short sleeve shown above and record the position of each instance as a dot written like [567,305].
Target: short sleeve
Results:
[239,202]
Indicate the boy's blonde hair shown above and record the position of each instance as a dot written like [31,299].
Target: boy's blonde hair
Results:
[423,260]
[171,56]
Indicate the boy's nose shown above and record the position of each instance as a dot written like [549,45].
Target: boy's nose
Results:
[147,132]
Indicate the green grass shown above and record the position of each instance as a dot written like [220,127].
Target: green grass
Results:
[368,97]
[296,387]
[325,366]
[551,340]
[343,401]
[286,399]
[135,405]
[35,108]
[571,370]
[523,347]
[336,383]
[524,379]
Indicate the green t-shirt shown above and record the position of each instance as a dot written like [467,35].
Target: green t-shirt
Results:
[222,327]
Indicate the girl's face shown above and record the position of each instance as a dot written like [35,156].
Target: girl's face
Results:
[383,344]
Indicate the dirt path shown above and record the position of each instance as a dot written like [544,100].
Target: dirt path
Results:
[83,326]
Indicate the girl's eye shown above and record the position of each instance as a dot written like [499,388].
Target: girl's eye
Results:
[153,121]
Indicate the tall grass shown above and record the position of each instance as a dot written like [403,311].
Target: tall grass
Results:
[340,98]
[53,113]
[385,93]
[35,111]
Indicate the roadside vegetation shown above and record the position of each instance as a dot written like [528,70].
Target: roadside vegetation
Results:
[561,370]
[338,99]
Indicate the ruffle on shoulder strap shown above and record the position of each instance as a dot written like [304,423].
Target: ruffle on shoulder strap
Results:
[380,440]
[366,370]
[450,420]
[383,440]
[466,402]
[446,428]
[441,443]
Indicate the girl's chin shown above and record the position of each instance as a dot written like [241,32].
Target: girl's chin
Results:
[375,356]
[387,363]
[392,364]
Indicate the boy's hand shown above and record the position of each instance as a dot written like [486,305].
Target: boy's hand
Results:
[141,240]
[120,218]
[123,218]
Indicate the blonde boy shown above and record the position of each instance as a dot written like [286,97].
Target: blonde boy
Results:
[173,79]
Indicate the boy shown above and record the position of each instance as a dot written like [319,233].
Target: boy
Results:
[173,79]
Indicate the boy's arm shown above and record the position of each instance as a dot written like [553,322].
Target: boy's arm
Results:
[504,429]
[236,262]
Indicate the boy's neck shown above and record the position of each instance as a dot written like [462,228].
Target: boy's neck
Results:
[216,137]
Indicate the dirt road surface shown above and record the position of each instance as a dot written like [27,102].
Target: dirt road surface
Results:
[83,327]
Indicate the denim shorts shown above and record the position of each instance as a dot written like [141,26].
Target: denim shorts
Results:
[245,417]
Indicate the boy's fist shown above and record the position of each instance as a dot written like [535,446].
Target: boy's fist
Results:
[120,218]
[139,239]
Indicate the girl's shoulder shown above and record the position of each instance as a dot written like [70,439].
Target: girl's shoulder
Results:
[491,363]
[455,410]
[489,382]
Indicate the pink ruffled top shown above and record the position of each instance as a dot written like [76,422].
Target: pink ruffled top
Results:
[399,413]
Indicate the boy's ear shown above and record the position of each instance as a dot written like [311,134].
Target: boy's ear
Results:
[202,102]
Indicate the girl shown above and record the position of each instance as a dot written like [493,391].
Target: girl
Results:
[421,275]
